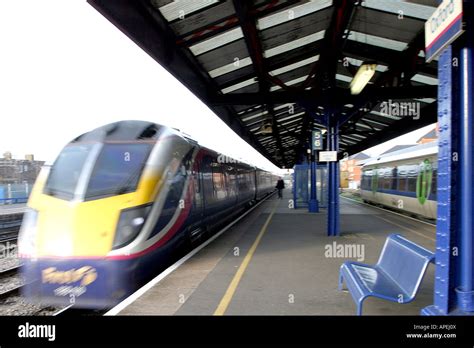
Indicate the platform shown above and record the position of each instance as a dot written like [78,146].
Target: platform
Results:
[290,271]
[10,209]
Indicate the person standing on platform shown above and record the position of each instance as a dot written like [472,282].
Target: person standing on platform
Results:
[280,186]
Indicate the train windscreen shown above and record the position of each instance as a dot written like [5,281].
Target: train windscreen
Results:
[117,169]
[66,170]
[104,170]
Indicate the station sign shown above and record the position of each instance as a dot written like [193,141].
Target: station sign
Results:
[317,140]
[327,156]
[443,27]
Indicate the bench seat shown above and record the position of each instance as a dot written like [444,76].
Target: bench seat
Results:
[396,276]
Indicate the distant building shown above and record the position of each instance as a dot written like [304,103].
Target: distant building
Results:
[18,171]
[429,137]
[396,148]
[350,170]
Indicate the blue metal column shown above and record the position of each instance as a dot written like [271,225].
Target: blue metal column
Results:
[453,291]
[465,290]
[333,179]
[313,206]
[446,190]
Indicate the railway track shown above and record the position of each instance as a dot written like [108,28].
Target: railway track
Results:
[9,271]
[9,227]
[15,291]
[9,235]
[5,276]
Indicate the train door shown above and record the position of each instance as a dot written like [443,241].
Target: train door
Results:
[207,188]
[231,185]
[198,192]
[198,222]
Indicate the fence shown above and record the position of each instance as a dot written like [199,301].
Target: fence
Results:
[302,185]
[14,193]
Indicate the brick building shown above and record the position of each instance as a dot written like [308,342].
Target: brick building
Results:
[18,171]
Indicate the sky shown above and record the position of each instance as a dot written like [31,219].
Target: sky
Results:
[65,70]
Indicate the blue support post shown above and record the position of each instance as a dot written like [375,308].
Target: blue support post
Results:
[333,180]
[447,191]
[465,290]
[313,206]
[453,290]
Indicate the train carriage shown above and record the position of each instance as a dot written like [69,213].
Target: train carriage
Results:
[403,180]
[117,202]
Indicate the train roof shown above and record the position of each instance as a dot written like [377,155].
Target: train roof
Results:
[414,151]
[127,130]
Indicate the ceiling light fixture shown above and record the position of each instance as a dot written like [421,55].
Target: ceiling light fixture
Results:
[362,77]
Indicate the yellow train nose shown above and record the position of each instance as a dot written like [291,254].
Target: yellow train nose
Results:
[78,228]
[83,228]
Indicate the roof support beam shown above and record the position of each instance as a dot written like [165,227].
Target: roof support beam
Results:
[327,64]
[146,27]
[400,72]
[428,116]
[249,28]
[340,95]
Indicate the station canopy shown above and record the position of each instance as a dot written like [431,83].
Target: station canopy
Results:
[275,70]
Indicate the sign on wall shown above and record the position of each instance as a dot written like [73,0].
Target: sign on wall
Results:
[443,27]
[327,156]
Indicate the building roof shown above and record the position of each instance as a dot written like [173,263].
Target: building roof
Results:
[274,70]
[359,156]
[430,135]
[413,151]
[396,148]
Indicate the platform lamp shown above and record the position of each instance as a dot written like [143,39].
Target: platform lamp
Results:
[362,77]
[266,128]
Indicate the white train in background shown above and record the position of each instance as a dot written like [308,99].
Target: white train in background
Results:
[404,180]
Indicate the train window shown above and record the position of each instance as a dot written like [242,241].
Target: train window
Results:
[217,178]
[366,181]
[65,172]
[412,184]
[387,180]
[363,181]
[381,181]
[402,175]
[394,179]
[230,178]
[117,169]
[402,184]
[175,184]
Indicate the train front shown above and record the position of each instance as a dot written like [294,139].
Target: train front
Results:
[84,215]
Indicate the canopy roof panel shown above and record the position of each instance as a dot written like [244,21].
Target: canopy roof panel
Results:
[274,70]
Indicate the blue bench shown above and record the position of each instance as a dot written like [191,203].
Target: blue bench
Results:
[396,276]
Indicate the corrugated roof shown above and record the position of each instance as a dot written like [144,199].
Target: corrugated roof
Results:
[396,148]
[432,134]
[288,64]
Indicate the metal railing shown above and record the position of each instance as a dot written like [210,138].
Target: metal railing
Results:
[16,200]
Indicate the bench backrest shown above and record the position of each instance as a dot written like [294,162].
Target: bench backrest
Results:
[404,262]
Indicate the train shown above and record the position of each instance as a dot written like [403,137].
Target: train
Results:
[115,205]
[404,180]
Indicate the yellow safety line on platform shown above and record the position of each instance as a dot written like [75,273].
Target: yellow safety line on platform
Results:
[225,301]
[406,228]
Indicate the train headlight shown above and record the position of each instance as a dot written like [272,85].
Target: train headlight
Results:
[27,234]
[130,224]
